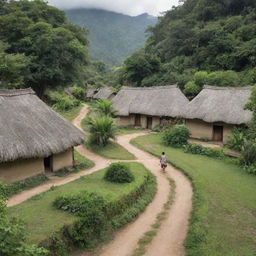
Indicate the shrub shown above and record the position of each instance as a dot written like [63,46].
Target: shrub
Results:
[237,139]
[120,173]
[198,149]
[80,204]
[176,137]
[251,169]
[66,103]
[101,129]
[105,107]
[78,93]
[249,153]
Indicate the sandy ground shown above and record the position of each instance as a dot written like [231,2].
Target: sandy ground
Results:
[170,237]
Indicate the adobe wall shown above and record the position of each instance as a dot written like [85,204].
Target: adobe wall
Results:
[21,169]
[62,160]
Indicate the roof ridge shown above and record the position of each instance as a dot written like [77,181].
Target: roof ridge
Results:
[150,88]
[16,92]
[211,87]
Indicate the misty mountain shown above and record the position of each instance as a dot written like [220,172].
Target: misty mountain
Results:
[113,36]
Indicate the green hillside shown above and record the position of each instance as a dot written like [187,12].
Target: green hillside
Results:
[113,36]
[218,37]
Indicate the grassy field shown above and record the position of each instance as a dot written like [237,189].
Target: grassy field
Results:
[41,219]
[72,113]
[224,216]
[112,151]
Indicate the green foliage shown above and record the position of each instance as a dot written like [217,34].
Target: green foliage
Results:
[200,150]
[249,153]
[78,92]
[105,107]
[176,137]
[10,189]
[101,129]
[237,139]
[41,41]
[113,36]
[66,103]
[119,173]
[201,42]
[13,236]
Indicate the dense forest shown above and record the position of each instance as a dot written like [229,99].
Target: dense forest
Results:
[113,36]
[200,42]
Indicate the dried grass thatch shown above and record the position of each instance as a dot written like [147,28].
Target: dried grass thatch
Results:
[30,129]
[104,93]
[166,101]
[220,104]
[90,92]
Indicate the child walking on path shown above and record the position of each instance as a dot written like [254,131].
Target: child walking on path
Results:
[163,161]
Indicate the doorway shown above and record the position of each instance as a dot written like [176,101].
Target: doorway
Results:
[217,133]
[48,164]
[137,120]
[149,122]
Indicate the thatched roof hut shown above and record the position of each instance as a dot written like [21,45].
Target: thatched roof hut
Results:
[30,129]
[104,93]
[220,104]
[90,92]
[166,101]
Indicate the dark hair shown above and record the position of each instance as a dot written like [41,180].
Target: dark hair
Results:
[163,153]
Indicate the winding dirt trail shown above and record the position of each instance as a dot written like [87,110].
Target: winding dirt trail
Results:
[171,235]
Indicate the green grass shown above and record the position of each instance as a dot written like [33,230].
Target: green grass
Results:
[112,151]
[224,215]
[42,219]
[122,130]
[72,113]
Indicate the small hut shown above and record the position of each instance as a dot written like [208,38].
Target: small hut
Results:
[216,110]
[104,93]
[33,138]
[149,106]
[90,92]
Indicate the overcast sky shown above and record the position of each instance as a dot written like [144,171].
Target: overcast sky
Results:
[130,7]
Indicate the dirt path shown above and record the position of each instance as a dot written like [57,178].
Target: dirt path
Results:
[100,163]
[171,235]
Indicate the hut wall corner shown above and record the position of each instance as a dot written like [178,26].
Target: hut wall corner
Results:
[64,159]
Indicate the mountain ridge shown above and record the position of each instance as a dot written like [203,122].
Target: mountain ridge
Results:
[113,36]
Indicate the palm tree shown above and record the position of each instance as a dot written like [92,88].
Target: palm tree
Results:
[101,128]
[105,107]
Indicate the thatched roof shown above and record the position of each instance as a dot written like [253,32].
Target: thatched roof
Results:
[154,101]
[220,104]
[104,93]
[90,92]
[30,129]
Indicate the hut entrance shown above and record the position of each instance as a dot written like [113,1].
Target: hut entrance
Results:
[48,164]
[217,133]
[149,122]
[137,120]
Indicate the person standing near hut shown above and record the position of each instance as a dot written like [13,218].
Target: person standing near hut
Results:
[163,161]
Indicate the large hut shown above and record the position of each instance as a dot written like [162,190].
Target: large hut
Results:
[33,138]
[216,110]
[104,93]
[149,106]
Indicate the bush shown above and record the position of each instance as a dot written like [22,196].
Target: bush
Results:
[200,150]
[249,153]
[66,103]
[176,137]
[120,173]
[251,169]
[78,93]
[237,139]
[80,204]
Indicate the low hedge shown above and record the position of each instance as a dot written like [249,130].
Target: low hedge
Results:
[17,187]
[97,218]
[198,149]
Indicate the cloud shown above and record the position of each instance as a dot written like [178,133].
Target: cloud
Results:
[130,7]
